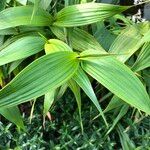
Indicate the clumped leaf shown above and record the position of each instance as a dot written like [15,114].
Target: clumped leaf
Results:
[127,43]
[44,74]
[79,39]
[82,40]
[143,60]
[83,14]
[119,79]
[22,15]
[21,48]
[81,78]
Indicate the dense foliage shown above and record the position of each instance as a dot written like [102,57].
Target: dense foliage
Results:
[50,47]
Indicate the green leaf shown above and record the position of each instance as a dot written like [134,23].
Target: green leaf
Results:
[122,112]
[83,14]
[44,74]
[54,45]
[119,79]
[127,43]
[48,101]
[13,115]
[143,60]
[114,103]
[81,78]
[80,39]
[21,48]
[76,91]
[21,15]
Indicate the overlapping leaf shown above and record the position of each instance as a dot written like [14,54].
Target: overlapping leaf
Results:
[22,15]
[143,60]
[44,74]
[83,14]
[81,78]
[127,43]
[119,79]
[80,39]
[21,48]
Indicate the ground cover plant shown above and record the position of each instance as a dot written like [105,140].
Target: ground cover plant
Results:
[91,49]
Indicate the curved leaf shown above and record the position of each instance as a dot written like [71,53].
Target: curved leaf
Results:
[55,45]
[83,14]
[13,115]
[143,60]
[81,78]
[21,15]
[21,48]
[80,39]
[119,79]
[127,43]
[44,74]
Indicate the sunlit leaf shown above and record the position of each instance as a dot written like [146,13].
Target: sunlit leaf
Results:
[21,48]
[83,14]
[21,15]
[119,79]
[44,74]
[81,78]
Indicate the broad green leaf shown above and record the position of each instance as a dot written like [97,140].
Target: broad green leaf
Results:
[21,15]
[48,101]
[143,60]
[81,78]
[119,79]
[54,45]
[58,32]
[127,43]
[80,39]
[13,115]
[44,74]
[76,91]
[21,48]
[83,14]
